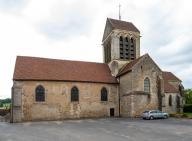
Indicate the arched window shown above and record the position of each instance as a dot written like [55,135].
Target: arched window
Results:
[40,93]
[104,94]
[178,101]
[132,49]
[121,38]
[147,85]
[126,39]
[170,100]
[121,47]
[74,94]
[181,89]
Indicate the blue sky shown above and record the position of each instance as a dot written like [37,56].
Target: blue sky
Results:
[73,29]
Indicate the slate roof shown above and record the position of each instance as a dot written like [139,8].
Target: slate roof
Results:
[168,87]
[123,25]
[42,69]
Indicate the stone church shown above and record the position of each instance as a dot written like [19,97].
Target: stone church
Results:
[124,85]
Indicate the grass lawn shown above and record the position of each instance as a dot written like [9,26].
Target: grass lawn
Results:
[188,114]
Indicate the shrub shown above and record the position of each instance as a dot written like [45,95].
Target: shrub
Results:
[187,108]
[172,115]
[4,112]
[184,115]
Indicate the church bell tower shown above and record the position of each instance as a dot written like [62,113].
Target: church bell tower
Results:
[121,41]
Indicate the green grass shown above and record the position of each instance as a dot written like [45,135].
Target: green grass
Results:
[6,106]
[181,115]
[188,114]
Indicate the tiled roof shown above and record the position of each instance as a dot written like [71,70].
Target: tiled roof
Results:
[170,76]
[123,25]
[129,66]
[168,87]
[32,68]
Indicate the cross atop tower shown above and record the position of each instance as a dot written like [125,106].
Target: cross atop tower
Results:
[119,11]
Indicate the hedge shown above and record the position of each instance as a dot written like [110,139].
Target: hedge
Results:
[3,112]
[187,108]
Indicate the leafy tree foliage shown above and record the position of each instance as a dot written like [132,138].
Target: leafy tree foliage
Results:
[5,101]
[188,96]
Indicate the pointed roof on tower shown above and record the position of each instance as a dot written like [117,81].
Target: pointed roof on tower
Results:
[112,24]
[123,25]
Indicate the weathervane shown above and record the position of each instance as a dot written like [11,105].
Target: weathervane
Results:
[119,11]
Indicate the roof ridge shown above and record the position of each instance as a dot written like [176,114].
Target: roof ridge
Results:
[120,20]
[167,73]
[123,25]
[134,62]
[44,58]
[110,22]
[123,67]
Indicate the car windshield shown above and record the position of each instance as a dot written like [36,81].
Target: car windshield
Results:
[146,112]
[159,111]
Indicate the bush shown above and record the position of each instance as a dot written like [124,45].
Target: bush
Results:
[187,108]
[4,112]
[188,96]
[172,115]
[185,115]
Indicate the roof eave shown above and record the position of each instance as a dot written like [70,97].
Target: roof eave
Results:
[121,74]
[16,79]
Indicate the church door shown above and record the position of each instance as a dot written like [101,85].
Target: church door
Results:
[112,112]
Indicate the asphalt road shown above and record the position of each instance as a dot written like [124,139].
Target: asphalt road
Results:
[114,129]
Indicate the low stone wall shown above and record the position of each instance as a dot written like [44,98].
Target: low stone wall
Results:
[4,115]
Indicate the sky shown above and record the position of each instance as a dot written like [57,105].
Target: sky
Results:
[73,30]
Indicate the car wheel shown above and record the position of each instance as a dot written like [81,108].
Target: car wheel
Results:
[151,118]
[165,116]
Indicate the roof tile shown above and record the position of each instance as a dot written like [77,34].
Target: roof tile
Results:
[129,66]
[123,25]
[168,87]
[32,68]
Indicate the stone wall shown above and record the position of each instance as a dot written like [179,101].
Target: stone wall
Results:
[173,108]
[58,105]
[116,65]
[132,85]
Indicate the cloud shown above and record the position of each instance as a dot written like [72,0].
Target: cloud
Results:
[73,30]
[70,25]
[65,19]
[11,5]
[166,33]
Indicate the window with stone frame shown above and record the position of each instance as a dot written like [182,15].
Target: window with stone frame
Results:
[104,94]
[178,102]
[40,94]
[127,48]
[147,85]
[170,100]
[121,47]
[74,94]
[132,49]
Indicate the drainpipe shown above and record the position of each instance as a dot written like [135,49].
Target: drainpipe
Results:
[12,99]
[119,97]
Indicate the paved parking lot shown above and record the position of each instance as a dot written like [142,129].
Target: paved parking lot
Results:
[114,129]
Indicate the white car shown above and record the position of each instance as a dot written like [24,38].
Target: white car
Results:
[154,114]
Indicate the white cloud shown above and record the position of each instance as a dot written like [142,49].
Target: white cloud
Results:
[73,30]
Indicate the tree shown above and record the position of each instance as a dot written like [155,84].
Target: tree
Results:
[1,104]
[5,101]
[188,96]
